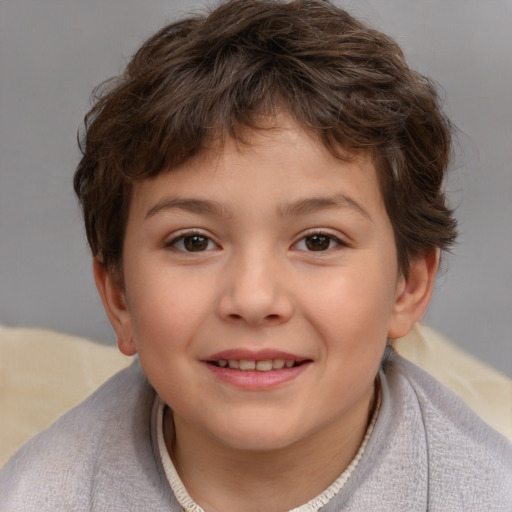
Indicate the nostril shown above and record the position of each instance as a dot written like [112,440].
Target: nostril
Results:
[268,319]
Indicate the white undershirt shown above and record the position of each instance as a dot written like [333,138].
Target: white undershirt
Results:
[189,505]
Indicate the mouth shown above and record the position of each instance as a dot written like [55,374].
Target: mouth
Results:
[261,370]
[260,365]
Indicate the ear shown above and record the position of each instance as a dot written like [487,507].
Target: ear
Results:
[413,294]
[113,298]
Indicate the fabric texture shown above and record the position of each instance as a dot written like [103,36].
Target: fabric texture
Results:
[428,452]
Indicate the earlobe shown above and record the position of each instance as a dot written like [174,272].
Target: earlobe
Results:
[413,294]
[114,302]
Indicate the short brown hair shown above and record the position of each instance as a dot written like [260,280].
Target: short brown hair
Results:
[218,74]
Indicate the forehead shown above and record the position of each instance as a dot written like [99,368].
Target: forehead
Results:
[277,165]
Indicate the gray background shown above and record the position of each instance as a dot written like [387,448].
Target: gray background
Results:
[52,53]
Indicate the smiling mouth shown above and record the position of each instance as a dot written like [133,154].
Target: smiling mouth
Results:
[266,365]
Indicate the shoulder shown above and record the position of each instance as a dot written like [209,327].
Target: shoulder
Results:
[466,457]
[100,447]
[486,390]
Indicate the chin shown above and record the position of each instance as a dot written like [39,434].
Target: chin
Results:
[258,436]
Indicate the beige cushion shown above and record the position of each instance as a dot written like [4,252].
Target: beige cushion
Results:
[45,373]
[42,375]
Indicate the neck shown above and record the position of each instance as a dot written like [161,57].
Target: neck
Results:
[220,478]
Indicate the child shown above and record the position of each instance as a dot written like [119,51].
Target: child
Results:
[262,194]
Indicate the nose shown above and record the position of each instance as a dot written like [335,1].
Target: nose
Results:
[255,291]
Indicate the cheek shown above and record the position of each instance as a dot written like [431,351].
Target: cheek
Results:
[350,297]
[166,308]
[352,312]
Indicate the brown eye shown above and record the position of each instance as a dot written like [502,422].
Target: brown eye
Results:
[318,242]
[195,243]
[192,242]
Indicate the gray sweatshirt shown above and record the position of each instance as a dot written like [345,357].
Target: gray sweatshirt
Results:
[428,451]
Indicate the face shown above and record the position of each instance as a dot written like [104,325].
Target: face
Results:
[260,285]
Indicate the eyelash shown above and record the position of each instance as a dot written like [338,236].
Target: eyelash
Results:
[322,237]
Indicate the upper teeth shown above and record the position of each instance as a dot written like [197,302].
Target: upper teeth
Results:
[262,366]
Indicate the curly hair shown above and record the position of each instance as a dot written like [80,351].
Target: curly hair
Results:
[216,75]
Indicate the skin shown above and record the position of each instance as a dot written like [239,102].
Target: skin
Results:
[256,211]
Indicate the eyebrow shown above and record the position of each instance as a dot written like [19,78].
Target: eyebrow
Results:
[295,208]
[313,204]
[200,206]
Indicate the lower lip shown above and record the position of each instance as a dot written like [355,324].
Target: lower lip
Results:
[255,380]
